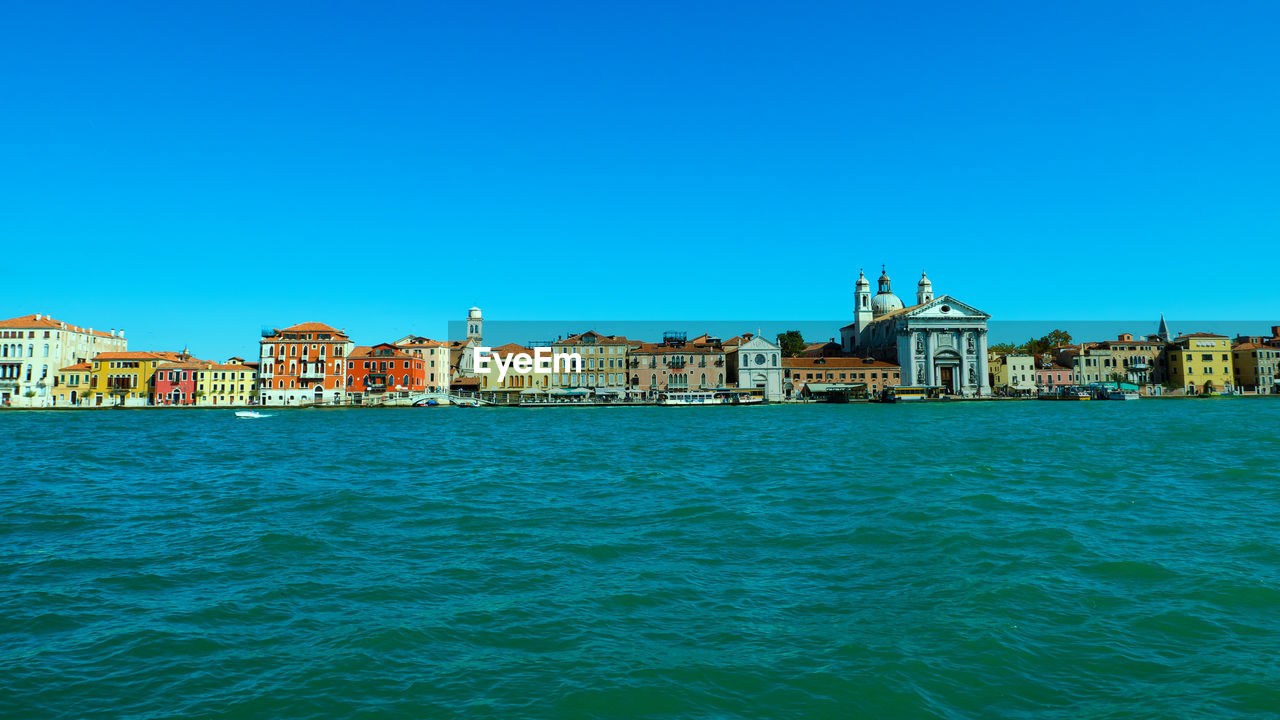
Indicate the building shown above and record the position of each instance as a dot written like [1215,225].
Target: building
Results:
[676,363]
[1137,361]
[384,372]
[71,383]
[1201,362]
[436,358]
[809,376]
[604,363]
[1255,367]
[1089,363]
[755,362]
[1052,377]
[34,347]
[127,378]
[1013,374]
[302,364]
[513,382]
[939,341]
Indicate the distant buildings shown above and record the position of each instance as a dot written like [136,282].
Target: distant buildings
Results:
[127,378]
[33,348]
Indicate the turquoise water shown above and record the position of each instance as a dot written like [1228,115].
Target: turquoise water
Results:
[968,560]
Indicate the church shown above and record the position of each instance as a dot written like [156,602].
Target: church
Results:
[939,341]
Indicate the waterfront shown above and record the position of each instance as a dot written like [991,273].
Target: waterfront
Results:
[949,560]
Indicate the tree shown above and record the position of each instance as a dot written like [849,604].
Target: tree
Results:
[1007,348]
[792,343]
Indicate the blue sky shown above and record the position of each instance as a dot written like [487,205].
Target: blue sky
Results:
[192,172]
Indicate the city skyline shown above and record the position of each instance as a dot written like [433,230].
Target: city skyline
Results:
[721,161]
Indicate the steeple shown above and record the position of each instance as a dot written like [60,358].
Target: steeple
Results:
[1163,331]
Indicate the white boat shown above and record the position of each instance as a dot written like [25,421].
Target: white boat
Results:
[1122,395]
[250,414]
[690,398]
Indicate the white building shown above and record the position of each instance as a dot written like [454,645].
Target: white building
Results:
[758,363]
[34,347]
[939,341]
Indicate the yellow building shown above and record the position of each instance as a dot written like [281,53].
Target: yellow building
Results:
[1256,367]
[604,362]
[229,383]
[71,384]
[514,382]
[1201,362]
[126,378]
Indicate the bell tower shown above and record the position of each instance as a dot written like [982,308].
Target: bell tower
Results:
[475,325]
[924,289]
[861,303]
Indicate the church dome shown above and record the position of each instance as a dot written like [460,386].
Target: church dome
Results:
[884,301]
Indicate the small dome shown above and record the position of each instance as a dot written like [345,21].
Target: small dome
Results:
[863,283]
[924,282]
[473,312]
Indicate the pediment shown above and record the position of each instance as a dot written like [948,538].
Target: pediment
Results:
[954,309]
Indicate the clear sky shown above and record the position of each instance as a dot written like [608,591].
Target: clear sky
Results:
[193,171]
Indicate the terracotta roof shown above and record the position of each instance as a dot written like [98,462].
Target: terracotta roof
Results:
[599,339]
[29,322]
[683,349]
[1199,335]
[834,362]
[77,366]
[1249,346]
[366,352]
[896,313]
[140,355]
[313,327]
[510,349]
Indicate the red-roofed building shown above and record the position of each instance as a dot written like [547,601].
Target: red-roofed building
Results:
[303,364]
[384,371]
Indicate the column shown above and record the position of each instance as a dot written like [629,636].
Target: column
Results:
[928,358]
[984,385]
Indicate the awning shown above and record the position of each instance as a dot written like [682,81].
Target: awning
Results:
[826,387]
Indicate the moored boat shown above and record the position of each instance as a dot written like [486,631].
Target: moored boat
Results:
[1122,395]
[1067,393]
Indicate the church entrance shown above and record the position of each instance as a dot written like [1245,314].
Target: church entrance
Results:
[946,378]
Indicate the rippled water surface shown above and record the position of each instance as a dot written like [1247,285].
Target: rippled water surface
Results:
[971,560]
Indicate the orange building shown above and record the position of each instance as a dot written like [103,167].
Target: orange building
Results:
[303,364]
[384,371]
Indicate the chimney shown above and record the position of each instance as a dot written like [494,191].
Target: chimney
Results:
[121,332]
[37,317]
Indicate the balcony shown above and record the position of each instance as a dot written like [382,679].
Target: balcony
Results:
[311,370]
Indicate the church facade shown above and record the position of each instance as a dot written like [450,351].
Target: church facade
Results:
[939,341]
